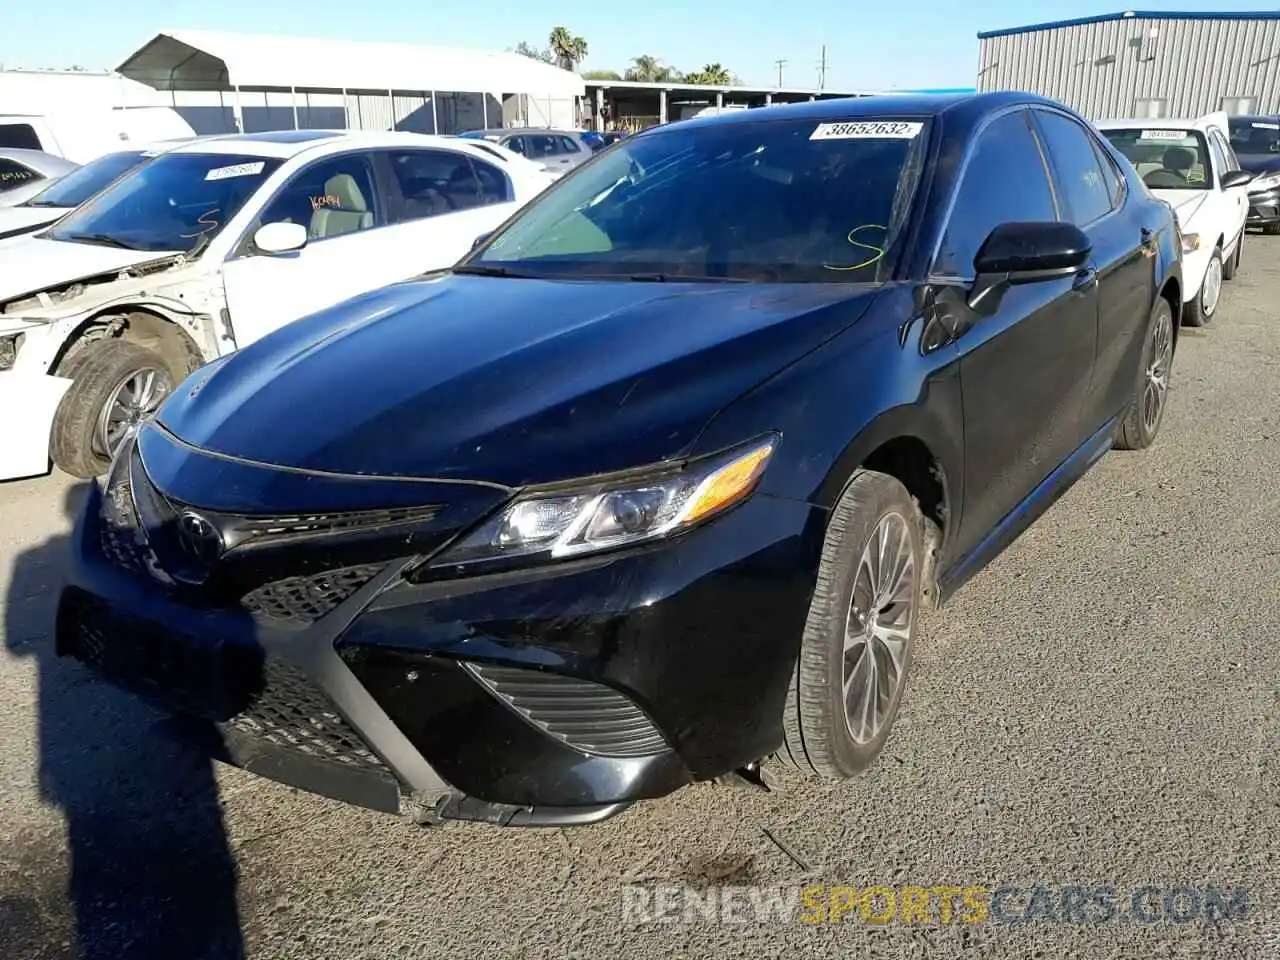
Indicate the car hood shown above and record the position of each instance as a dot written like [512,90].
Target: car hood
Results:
[20,220]
[1260,163]
[1186,204]
[37,263]
[501,379]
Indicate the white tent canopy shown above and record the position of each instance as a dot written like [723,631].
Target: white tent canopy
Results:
[214,60]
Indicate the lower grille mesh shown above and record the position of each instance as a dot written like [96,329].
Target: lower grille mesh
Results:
[589,717]
[306,599]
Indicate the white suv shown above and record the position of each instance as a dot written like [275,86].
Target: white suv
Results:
[1190,164]
[208,247]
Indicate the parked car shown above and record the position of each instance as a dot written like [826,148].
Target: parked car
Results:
[559,150]
[1256,142]
[53,200]
[1190,164]
[209,247]
[24,173]
[654,485]
[81,135]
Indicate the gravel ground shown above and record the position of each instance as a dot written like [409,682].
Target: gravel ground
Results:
[1099,707]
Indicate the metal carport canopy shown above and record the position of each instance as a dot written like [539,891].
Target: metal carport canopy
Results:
[215,60]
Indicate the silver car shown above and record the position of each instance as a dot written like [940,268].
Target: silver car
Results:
[24,173]
[557,150]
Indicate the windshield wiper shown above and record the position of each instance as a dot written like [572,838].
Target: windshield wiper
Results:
[42,203]
[101,239]
[679,278]
[487,270]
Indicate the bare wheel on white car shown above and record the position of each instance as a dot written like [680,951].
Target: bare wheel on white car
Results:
[856,650]
[117,385]
[1151,392]
[1200,310]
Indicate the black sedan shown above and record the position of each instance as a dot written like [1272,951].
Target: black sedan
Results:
[655,485]
[1256,143]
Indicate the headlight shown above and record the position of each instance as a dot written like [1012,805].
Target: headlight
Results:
[1190,242]
[1264,183]
[601,514]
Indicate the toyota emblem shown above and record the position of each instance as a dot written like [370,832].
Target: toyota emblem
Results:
[199,539]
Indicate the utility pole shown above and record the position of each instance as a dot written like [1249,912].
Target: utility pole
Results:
[780,64]
[822,69]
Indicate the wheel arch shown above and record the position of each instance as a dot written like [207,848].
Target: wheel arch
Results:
[140,325]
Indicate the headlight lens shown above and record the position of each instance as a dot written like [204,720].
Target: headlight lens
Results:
[604,514]
[1190,242]
[1268,182]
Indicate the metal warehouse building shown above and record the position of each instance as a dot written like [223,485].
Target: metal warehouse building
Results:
[1142,64]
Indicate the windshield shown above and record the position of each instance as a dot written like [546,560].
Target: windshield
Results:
[178,201]
[1166,159]
[1254,135]
[765,201]
[79,185]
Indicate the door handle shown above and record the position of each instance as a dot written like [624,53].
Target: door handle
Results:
[1085,279]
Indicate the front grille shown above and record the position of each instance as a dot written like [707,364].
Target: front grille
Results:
[587,716]
[303,524]
[232,684]
[292,714]
[304,600]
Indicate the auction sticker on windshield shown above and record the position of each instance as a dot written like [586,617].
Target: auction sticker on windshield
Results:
[235,170]
[867,131]
[1163,135]
[1265,126]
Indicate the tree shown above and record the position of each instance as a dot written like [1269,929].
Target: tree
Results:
[601,75]
[647,69]
[533,53]
[569,51]
[712,75]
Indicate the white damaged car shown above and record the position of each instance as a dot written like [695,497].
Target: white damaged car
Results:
[208,247]
[1190,165]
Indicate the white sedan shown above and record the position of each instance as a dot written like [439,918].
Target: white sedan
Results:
[1190,164]
[209,247]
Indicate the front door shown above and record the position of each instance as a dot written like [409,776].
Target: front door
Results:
[1025,370]
[1236,199]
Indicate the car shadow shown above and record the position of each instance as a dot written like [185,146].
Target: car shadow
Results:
[151,873]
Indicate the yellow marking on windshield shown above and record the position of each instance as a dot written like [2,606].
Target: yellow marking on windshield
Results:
[878,252]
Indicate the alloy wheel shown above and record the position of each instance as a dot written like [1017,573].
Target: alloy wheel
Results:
[878,627]
[137,396]
[1211,290]
[1156,388]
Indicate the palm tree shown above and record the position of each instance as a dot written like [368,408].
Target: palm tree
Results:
[713,75]
[569,50]
[647,69]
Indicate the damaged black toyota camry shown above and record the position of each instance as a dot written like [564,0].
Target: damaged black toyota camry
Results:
[655,485]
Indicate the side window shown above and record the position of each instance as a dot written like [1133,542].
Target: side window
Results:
[541,145]
[567,145]
[1111,175]
[517,144]
[1084,188]
[436,182]
[19,136]
[14,175]
[1004,181]
[1229,158]
[1219,156]
[330,197]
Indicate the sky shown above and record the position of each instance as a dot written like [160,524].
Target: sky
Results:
[871,44]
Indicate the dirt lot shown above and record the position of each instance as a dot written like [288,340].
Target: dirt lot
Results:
[1100,707]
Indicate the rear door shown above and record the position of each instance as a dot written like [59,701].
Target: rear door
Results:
[341,202]
[1091,194]
[1026,369]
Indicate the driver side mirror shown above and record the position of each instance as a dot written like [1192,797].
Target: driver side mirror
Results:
[1018,253]
[273,238]
[1236,178]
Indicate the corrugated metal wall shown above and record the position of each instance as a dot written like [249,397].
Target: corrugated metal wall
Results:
[1110,69]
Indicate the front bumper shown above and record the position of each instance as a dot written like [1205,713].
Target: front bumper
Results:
[28,402]
[552,695]
[1264,208]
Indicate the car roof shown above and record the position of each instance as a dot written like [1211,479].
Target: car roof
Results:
[286,144]
[46,163]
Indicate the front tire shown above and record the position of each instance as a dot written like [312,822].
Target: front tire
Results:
[117,385]
[1200,311]
[1140,426]
[855,653]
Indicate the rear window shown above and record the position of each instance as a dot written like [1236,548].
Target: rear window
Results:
[782,201]
[14,175]
[1166,158]
[19,136]
[79,185]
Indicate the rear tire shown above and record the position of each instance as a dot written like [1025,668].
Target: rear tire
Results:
[1141,424]
[103,374]
[861,615]
[1204,305]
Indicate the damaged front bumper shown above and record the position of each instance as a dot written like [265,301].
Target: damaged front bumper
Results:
[28,402]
